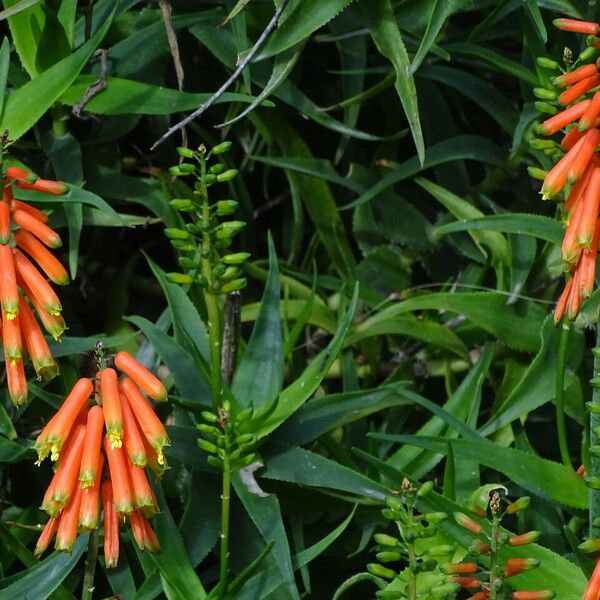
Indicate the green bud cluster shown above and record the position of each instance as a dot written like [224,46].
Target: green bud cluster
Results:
[221,435]
[203,242]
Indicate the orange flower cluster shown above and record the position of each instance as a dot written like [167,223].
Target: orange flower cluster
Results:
[101,451]
[25,237]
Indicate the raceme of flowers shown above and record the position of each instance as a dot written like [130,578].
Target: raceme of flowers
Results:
[576,173]
[24,288]
[101,439]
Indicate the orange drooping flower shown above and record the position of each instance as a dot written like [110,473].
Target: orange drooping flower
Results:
[141,376]
[576,26]
[91,466]
[575,76]
[46,536]
[43,362]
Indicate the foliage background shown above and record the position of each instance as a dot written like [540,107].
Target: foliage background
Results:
[389,147]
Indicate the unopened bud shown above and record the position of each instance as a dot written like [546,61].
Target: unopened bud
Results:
[518,505]
[595,382]
[537,173]
[587,54]
[428,532]
[216,169]
[441,550]
[227,175]
[207,446]
[595,451]
[467,583]
[435,517]
[426,565]
[209,416]
[214,461]
[388,556]
[234,285]
[538,144]
[185,152]
[383,539]
[545,108]
[226,207]
[221,148]
[174,233]
[208,429]
[544,94]
[590,546]
[236,259]
[182,204]
[394,503]
[468,523]
[477,548]
[425,489]
[468,568]
[538,595]
[515,566]
[547,63]
[525,538]
[592,482]
[381,571]
[181,278]
[446,589]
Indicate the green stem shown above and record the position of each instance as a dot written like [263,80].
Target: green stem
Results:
[225,506]
[212,305]
[90,565]
[412,557]
[494,575]
[595,441]
[561,426]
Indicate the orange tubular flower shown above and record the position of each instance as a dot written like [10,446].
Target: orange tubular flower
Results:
[590,116]
[158,467]
[577,26]
[54,324]
[35,342]
[90,501]
[111,526]
[40,230]
[589,214]
[571,138]
[149,423]
[470,583]
[57,188]
[32,210]
[46,536]
[592,591]
[525,538]
[88,473]
[51,266]
[460,568]
[132,437]
[142,532]
[38,286]
[514,566]
[584,155]
[53,436]
[111,406]
[480,595]
[119,475]
[562,119]
[66,533]
[11,339]
[9,293]
[21,175]
[576,75]
[4,222]
[539,595]
[136,371]
[17,382]
[143,496]
[579,89]
[66,477]
[557,177]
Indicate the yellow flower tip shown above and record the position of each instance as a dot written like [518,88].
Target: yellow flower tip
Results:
[160,457]
[54,453]
[115,439]
[11,315]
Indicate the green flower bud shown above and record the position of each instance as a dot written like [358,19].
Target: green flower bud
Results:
[595,451]
[595,382]
[218,270]
[236,259]
[207,446]
[446,589]
[226,207]
[227,175]
[208,429]
[209,416]
[221,148]
[247,459]
[214,461]
[216,169]
[209,179]
[381,571]
[544,94]
[518,505]
[545,108]
[244,415]
[589,546]
[182,204]
[224,243]
[230,228]
[383,539]
[390,515]
[537,173]
[426,565]
[176,234]
[425,489]
[588,54]
[181,278]
[186,263]
[596,352]
[185,152]
[435,517]
[547,63]
[234,285]
[387,556]
[230,273]
[394,503]
[245,439]
[538,144]
[428,532]
[182,246]
[441,550]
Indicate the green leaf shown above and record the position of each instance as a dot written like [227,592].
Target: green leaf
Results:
[188,326]
[266,516]
[380,19]
[14,451]
[179,362]
[442,9]
[537,226]
[298,22]
[7,428]
[259,375]
[4,63]
[298,392]
[39,581]
[127,97]
[26,105]
[180,582]
[518,325]
[461,209]
[457,148]
[536,474]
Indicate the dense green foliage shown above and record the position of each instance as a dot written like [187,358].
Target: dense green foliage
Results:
[399,325]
